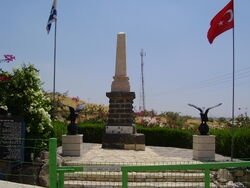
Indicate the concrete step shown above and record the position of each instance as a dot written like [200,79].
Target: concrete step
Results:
[100,184]
[89,163]
[136,176]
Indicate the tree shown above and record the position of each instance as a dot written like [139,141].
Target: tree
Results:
[22,95]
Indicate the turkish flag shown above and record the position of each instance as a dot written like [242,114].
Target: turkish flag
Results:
[222,22]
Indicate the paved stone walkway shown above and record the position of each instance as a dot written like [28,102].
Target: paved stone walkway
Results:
[95,154]
[7,184]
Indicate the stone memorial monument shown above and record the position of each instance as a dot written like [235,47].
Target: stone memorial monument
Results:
[120,131]
[204,144]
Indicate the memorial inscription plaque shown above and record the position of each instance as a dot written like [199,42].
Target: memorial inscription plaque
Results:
[12,132]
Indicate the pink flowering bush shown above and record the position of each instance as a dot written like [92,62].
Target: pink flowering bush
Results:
[75,99]
[7,58]
[149,121]
[166,119]
[242,120]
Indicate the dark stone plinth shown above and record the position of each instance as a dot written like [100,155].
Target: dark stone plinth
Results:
[120,132]
[120,108]
[121,141]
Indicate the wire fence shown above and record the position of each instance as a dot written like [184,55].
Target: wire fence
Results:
[28,161]
[142,174]
[226,174]
[24,160]
[171,174]
[175,174]
[111,176]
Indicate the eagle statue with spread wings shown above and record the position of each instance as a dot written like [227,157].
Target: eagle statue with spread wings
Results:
[203,128]
[72,127]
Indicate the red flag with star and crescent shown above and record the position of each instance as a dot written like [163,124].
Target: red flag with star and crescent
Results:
[222,22]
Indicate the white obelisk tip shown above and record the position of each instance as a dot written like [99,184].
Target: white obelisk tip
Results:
[120,69]
[120,82]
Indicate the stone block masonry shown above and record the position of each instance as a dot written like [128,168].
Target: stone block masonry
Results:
[204,147]
[120,108]
[72,145]
[120,132]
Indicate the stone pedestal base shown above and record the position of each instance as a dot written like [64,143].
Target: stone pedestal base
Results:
[203,147]
[120,132]
[72,145]
[120,84]
[124,141]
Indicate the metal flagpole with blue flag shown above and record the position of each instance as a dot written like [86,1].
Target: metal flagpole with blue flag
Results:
[53,18]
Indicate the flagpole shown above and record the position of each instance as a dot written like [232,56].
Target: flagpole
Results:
[54,74]
[233,97]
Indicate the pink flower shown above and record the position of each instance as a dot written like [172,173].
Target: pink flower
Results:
[76,99]
[9,57]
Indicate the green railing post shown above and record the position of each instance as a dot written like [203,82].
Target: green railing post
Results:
[207,178]
[124,178]
[61,179]
[52,163]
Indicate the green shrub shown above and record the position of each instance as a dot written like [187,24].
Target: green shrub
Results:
[59,129]
[92,133]
[223,141]
[169,137]
[241,142]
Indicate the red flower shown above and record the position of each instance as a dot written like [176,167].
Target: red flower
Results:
[5,78]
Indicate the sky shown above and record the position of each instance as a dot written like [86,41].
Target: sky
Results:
[180,65]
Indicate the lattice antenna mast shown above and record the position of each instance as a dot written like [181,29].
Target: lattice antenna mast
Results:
[143,107]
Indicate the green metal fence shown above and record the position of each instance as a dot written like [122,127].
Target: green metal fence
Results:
[206,167]
[127,174]
[53,163]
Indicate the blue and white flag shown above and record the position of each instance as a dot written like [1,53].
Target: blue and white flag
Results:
[52,16]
